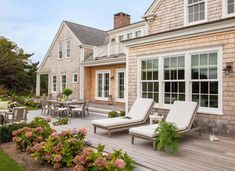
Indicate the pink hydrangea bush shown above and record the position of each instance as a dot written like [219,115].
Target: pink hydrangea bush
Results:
[60,149]
[89,159]
[36,132]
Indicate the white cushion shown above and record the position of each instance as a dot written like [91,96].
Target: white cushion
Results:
[148,130]
[140,108]
[181,113]
[77,109]
[3,105]
[62,109]
[114,121]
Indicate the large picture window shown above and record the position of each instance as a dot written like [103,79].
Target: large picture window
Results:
[174,79]
[196,10]
[204,79]
[149,79]
[186,76]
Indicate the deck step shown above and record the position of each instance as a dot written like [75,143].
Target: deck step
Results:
[99,110]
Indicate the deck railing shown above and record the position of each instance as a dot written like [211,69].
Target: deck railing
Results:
[108,50]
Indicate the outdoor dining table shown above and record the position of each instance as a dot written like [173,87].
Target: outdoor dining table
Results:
[66,103]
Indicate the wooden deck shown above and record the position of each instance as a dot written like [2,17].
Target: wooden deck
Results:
[196,153]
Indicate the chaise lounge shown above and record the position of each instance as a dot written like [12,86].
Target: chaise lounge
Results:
[138,115]
[182,114]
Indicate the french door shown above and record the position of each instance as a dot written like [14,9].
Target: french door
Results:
[120,85]
[102,85]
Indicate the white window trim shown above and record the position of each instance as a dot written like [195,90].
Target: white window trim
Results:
[96,85]
[74,82]
[66,48]
[160,57]
[225,10]
[52,83]
[61,82]
[141,29]
[186,22]
[117,82]
[60,43]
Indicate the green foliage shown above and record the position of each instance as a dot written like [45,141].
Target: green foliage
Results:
[90,159]
[60,149]
[9,164]
[18,73]
[6,131]
[67,92]
[168,137]
[113,114]
[25,138]
[122,113]
[61,121]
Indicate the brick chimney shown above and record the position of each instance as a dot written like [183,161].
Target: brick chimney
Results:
[121,19]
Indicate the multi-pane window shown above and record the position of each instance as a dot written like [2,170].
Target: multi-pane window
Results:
[137,34]
[121,85]
[121,38]
[204,79]
[106,85]
[174,79]
[68,44]
[60,50]
[54,83]
[230,6]
[75,78]
[63,82]
[196,10]
[129,36]
[149,79]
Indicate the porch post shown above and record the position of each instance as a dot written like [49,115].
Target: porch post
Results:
[38,82]
[81,82]
[49,84]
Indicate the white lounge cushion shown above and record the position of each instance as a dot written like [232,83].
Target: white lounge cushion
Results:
[114,121]
[77,109]
[149,130]
[140,108]
[181,113]
[62,109]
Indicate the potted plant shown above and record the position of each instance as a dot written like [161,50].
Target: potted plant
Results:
[67,92]
[168,138]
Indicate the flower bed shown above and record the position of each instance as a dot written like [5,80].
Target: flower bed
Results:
[68,149]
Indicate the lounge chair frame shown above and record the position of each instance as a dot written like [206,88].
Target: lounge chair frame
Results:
[123,126]
[192,128]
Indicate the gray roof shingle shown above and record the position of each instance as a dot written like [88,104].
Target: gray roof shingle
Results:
[88,35]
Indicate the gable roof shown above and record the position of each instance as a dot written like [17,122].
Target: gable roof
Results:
[87,35]
[152,7]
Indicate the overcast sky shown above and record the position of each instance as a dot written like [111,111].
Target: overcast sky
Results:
[32,24]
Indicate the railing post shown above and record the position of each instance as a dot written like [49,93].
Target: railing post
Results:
[109,49]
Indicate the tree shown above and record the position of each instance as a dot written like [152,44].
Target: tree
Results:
[17,72]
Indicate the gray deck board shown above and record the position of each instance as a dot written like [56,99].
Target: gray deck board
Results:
[196,152]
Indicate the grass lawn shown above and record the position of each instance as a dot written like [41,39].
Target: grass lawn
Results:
[7,164]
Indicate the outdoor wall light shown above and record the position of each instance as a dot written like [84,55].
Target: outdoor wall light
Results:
[112,78]
[228,69]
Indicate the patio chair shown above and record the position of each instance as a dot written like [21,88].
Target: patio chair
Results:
[80,110]
[181,114]
[18,114]
[87,107]
[138,115]
[59,110]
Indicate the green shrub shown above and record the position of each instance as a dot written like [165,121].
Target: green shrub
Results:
[122,113]
[67,92]
[168,137]
[113,114]
[90,159]
[61,121]
[6,131]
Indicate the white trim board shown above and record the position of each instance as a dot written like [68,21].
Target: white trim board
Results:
[214,27]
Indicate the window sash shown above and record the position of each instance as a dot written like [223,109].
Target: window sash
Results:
[54,83]
[63,82]
[60,50]
[68,44]
[196,11]
[216,102]
[75,78]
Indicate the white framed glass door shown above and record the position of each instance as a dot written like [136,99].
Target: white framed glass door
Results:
[102,85]
[120,85]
